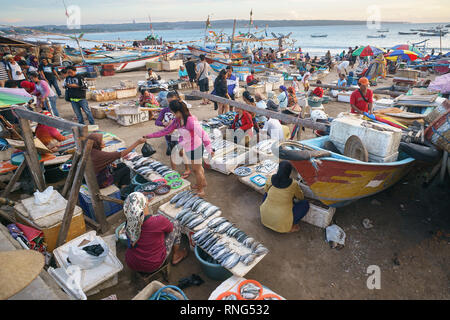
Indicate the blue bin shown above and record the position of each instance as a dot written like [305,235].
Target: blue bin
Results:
[110,207]
[212,270]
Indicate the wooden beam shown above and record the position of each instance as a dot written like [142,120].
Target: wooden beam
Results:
[14,179]
[94,225]
[94,190]
[31,154]
[59,123]
[307,123]
[71,175]
[334,87]
[73,197]
[110,199]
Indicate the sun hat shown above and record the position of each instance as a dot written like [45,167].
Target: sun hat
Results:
[18,268]
[363,81]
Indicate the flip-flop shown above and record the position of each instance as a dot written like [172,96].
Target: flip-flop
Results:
[182,258]
[185,175]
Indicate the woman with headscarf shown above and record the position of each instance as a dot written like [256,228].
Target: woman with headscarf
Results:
[150,237]
[221,90]
[292,106]
[283,97]
[102,162]
[279,210]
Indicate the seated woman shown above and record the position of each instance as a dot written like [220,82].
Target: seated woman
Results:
[148,100]
[49,136]
[283,98]
[248,99]
[292,105]
[102,160]
[279,211]
[150,237]
[243,121]
[182,73]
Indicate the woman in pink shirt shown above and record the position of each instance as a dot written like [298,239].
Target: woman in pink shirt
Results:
[192,139]
[150,237]
[43,89]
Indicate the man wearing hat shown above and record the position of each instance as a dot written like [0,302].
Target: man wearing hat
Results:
[361,99]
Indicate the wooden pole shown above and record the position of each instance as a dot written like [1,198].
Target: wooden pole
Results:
[31,154]
[73,197]
[232,39]
[307,123]
[14,179]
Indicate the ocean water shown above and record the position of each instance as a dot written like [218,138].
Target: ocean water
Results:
[339,37]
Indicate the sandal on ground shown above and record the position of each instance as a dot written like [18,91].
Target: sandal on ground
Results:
[186,174]
[186,253]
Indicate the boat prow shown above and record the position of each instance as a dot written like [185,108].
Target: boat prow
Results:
[337,180]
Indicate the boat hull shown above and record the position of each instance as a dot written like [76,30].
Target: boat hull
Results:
[337,180]
[213,54]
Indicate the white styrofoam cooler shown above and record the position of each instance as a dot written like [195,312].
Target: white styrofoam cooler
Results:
[382,146]
[131,119]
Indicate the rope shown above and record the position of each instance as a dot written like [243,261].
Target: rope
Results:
[162,294]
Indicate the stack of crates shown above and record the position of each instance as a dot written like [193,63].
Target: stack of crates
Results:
[108,70]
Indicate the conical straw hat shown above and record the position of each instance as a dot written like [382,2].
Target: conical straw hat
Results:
[18,269]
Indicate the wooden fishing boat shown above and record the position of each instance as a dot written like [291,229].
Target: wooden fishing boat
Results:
[407,33]
[376,36]
[337,180]
[319,35]
[215,54]
[218,65]
[383,30]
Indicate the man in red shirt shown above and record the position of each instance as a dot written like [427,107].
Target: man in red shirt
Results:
[361,100]
[251,80]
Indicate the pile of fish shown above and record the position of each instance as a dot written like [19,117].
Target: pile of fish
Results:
[232,155]
[266,166]
[145,166]
[265,146]
[195,209]
[211,241]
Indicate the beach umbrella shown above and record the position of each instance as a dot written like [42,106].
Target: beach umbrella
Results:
[408,47]
[403,54]
[368,51]
[441,84]
[10,96]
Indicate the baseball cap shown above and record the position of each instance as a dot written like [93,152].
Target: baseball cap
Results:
[364,81]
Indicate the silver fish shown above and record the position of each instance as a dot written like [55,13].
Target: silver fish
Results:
[202,206]
[186,217]
[210,211]
[183,200]
[196,222]
[180,214]
[210,242]
[260,250]
[248,258]
[216,248]
[216,222]
[178,196]
[254,245]
[221,253]
[231,261]
[222,228]
[199,233]
[248,242]
[250,291]
[204,238]
[197,203]
[190,202]
[189,219]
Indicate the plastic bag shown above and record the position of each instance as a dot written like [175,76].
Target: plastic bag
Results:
[335,234]
[77,256]
[44,197]
[147,150]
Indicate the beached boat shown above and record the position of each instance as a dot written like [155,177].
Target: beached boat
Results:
[217,65]
[407,33]
[337,180]
[376,36]
[432,34]
[215,54]
[316,35]
[383,30]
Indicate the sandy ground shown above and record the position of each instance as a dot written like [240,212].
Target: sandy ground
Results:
[410,240]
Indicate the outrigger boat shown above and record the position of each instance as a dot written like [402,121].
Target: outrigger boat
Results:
[215,54]
[337,180]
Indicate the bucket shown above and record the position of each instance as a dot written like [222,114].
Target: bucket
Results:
[122,241]
[212,270]
[139,180]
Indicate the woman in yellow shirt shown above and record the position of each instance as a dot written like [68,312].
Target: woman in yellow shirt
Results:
[279,211]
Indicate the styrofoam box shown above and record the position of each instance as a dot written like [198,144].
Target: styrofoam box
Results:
[372,158]
[172,65]
[90,278]
[318,216]
[382,104]
[126,93]
[381,144]
[344,97]
[226,167]
[131,119]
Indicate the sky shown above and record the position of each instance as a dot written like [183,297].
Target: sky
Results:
[41,12]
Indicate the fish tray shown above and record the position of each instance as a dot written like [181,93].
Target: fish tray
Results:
[225,163]
[240,269]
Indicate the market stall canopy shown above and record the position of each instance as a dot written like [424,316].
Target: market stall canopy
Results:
[408,47]
[5,41]
[12,96]
[403,54]
[368,51]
